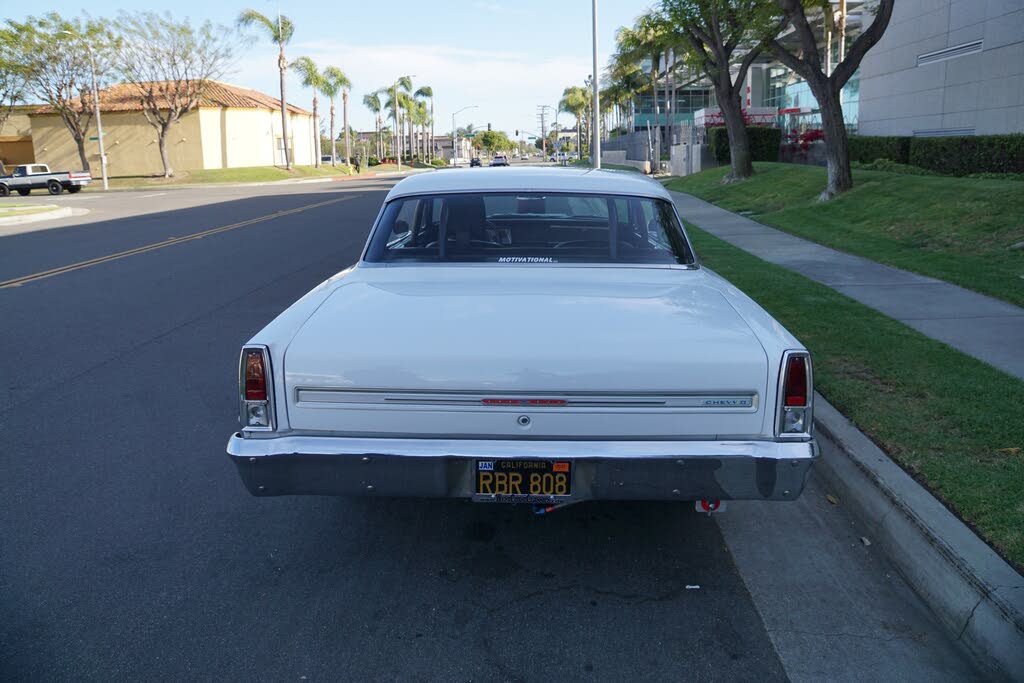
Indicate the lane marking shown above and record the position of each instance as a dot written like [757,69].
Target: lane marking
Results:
[158,194]
[42,275]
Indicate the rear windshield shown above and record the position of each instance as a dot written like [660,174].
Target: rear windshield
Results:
[529,228]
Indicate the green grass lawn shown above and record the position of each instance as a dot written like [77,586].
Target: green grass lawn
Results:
[250,174]
[387,168]
[7,210]
[956,229]
[953,422]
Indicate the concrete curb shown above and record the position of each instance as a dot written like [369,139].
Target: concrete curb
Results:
[61,212]
[975,594]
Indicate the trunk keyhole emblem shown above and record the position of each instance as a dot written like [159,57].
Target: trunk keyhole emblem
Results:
[523,420]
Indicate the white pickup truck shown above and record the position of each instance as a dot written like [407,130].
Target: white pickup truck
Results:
[28,177]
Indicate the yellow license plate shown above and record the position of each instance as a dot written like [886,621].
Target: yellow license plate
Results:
[523,479]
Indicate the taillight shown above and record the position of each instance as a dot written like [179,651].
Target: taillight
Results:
[794,412]
[255,376]
[257,409]
[796,382]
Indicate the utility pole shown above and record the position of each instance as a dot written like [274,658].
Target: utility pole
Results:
[542,111]
[595,148]
[455,134]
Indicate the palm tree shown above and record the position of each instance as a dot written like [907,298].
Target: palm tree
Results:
[372,102]
[335,80]
[279,32]
[421,117]
[428,92]
[649,38]
[312,78]
[575,100]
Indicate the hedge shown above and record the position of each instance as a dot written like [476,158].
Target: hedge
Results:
[869,148]
[764,143]
[963,155]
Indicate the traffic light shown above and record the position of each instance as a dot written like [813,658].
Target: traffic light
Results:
[488,126]
[517,132]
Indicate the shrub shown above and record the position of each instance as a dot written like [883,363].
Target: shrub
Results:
[764,143]
[890,166]
[868,148]
[439,163]
[966,154]
[372,161]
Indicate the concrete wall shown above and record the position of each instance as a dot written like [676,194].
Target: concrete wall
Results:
[983,92]
[131,144]
[237,138]
[16,140]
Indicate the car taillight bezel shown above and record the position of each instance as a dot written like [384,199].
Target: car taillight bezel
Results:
[247,405]
[782,411]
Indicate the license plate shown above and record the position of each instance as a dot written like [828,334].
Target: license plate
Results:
[524,480]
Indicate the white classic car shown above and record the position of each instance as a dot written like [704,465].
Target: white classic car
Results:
[526,335]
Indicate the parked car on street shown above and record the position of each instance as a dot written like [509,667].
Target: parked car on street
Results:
[527,335]
[475,161]
[499,160]
[28,177]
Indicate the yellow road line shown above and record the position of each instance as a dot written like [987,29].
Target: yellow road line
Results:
[25,279]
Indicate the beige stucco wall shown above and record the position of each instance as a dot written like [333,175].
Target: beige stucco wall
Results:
[16,140]
[236,138]
[209,138]
[131,144]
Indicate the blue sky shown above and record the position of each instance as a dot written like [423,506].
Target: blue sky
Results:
[505,57]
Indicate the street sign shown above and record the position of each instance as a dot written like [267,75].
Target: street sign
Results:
[95,138]
[469,135]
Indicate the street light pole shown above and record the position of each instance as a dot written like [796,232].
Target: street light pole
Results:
[595,148]
[455,134]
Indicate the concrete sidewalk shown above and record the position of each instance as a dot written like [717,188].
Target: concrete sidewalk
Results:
[983,327]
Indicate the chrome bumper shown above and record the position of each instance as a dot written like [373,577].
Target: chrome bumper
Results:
[602,470]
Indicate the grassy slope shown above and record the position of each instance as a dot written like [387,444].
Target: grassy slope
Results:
[941,414]
[251,174]
[955,229]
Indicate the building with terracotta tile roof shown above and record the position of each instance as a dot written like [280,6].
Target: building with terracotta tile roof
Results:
[233,127]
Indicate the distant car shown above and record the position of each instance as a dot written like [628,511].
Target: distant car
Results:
[499,161]
[474,162]
[524,157]
[28,177]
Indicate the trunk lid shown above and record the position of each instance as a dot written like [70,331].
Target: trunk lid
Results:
[580,353]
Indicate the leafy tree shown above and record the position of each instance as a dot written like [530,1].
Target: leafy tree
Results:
[49,56]
[649,38]
[12,78]
[335,80]
[169,66]
[313,79]
[492,141]
[827,87]
[280,32]
[725,37]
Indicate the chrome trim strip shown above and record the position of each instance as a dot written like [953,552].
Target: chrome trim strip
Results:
[433,448]
[405,398]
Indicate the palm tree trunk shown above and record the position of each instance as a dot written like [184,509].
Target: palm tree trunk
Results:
[282,66]
[657,110]
[334,141]
[316,130]
[344,115]
[431,154]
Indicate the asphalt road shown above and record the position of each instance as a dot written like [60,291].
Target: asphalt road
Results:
[129,549]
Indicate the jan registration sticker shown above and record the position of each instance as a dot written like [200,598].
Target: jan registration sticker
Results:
[485,465]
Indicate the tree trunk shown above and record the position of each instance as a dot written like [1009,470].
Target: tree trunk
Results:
[316,131]
[837,151]
[334,141]
[161,136]
[657,112]
[739,144]
[83,157]
[344,122]
[431,129]
[282,66]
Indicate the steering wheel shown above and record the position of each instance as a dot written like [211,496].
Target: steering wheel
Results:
[591,243]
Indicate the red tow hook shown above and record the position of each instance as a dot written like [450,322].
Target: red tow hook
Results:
[710,506]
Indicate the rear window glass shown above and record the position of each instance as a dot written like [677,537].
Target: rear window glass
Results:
[529,228]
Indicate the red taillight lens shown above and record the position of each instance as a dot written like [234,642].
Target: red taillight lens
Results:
[796,382]
[255,377]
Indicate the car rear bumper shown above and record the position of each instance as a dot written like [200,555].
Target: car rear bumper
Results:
[602,470]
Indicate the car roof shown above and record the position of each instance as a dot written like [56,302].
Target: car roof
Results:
[520,179]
